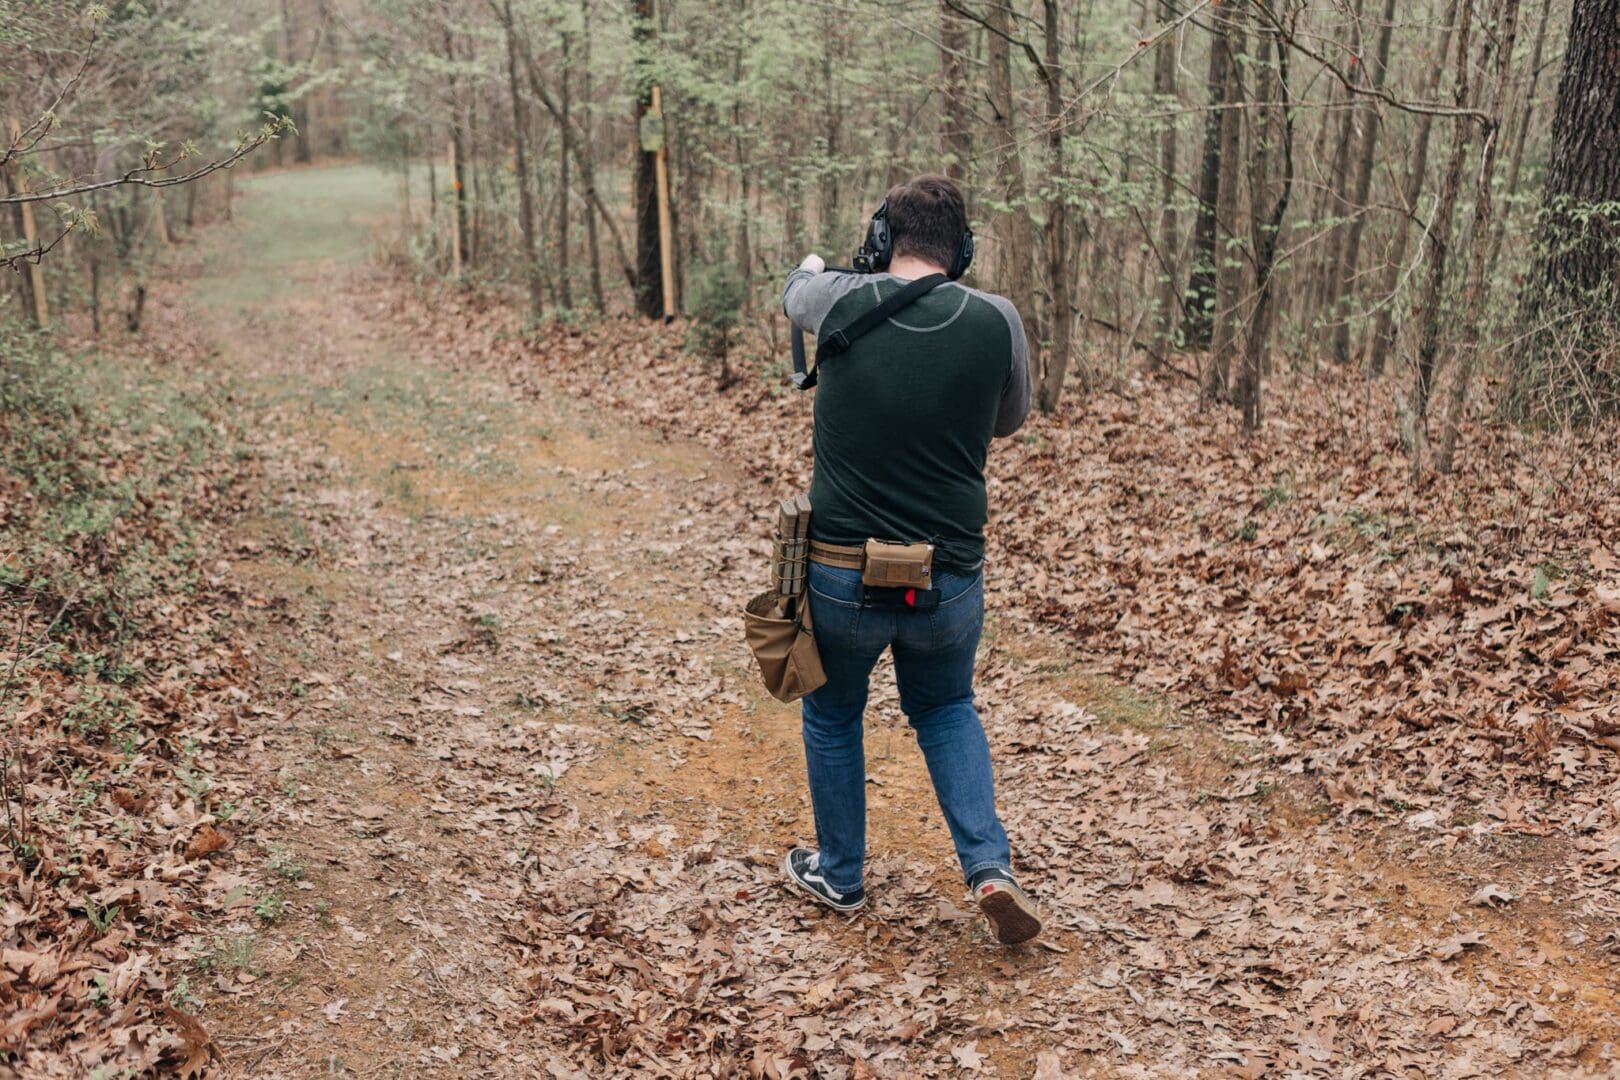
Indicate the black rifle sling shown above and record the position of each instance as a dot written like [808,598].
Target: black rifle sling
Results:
[840,340]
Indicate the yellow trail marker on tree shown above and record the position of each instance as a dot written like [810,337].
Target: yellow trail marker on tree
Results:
[653,142]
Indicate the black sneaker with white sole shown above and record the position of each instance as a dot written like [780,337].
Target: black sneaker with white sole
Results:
[1010,911]
[803,869]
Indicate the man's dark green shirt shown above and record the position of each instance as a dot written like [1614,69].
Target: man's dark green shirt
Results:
[904,418]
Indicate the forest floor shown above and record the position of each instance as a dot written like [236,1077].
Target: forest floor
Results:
[524,806]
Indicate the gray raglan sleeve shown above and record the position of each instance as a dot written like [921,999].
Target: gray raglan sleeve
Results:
[808,297]
[1014,405]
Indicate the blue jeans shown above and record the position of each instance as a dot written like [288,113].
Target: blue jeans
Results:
[933,665]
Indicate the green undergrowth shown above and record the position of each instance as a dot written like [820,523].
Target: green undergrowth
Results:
[109,477]
[117,662]
[106,473]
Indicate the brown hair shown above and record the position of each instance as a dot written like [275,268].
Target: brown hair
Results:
[927,218]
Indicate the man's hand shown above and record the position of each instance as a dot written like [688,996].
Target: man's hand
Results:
[813,263]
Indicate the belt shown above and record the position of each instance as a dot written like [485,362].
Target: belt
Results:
[840,555]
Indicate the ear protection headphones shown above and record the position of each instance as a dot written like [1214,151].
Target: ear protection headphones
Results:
[875,253]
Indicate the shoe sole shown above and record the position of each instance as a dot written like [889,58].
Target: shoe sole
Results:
[793,879]
[1012,917]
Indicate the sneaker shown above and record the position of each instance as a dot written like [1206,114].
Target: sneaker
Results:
[803,869]
[1009,909]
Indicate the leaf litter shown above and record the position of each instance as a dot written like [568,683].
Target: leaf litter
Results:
[1331,652]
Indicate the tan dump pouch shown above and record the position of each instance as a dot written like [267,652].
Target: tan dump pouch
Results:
[784,646]
[898,566]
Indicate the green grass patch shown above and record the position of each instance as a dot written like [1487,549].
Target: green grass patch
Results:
[300,216]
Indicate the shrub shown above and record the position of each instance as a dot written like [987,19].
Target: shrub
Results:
[718,293]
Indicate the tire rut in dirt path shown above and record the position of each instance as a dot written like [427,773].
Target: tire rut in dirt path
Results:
[533,803]
[405,754]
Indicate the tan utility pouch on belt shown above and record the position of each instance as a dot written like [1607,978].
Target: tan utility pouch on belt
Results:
[898,566]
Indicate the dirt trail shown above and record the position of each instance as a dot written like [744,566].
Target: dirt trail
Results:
[527,804]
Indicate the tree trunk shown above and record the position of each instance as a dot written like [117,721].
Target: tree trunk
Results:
[191,206]
[1330,278]
[598,298]
[828,219]
[1584,169]
[475,223]
[1522,128]
[1015,230]
[793,215]
[955,137]
[587,175]
[25,280]
[564,263]
[95,291]
[298,112]
[1476,288]
[649,256]
[1164,90]
[745,252]
[1414,424]
[1577,269]
[1199,322]
[1228,318]
[1383,335]
[1266,221]
[520,137]
[1350,256]
[458,178]
[1061,318]
[160,218]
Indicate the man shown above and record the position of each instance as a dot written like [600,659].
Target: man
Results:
[903,423]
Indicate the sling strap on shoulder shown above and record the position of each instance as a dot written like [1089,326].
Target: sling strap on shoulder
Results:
[842,338]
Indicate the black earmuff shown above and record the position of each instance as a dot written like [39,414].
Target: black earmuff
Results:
[878,250]
[964,255]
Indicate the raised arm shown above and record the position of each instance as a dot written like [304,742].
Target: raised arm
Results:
[811,292]
[1014,405]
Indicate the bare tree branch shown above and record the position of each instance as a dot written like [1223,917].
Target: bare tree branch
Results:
[139,177]
[1355,86]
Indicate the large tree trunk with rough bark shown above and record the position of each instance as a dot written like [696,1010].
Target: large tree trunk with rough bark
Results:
[1576,280]
[1584,171]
